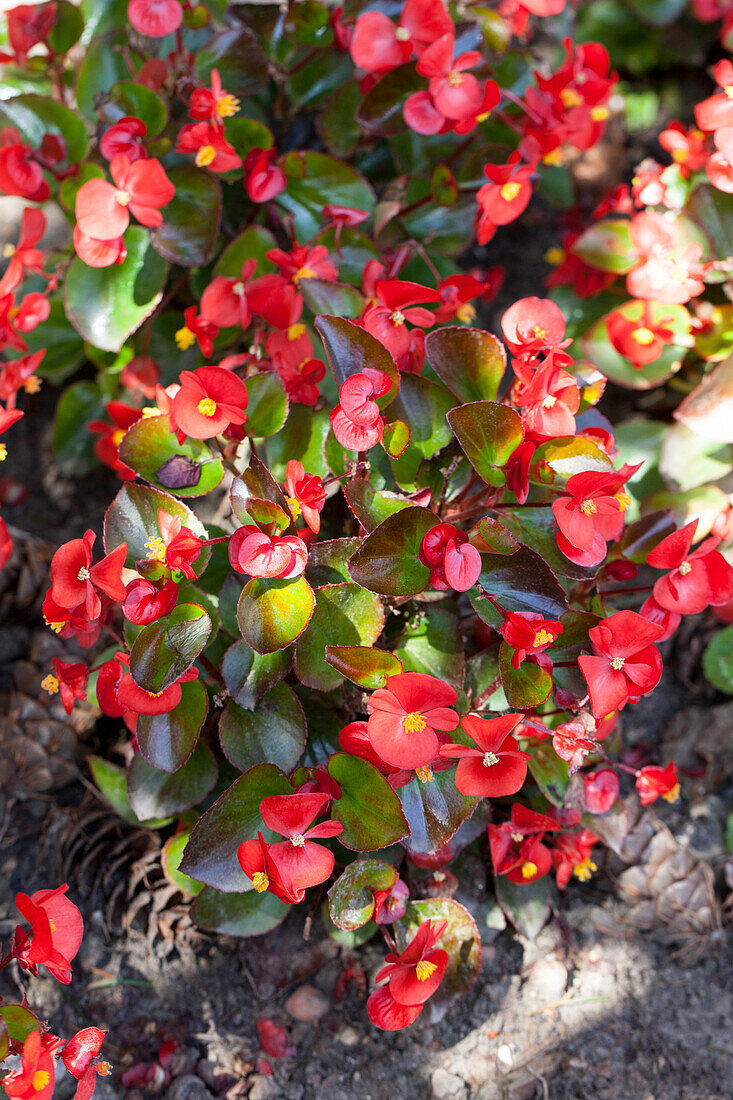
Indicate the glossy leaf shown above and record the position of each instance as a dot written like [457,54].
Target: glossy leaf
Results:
[328,561]
[274,732]
[549,772]
[351,898]
[387,561]
[497,538]
[434,810]
[526,686]
[312,175]
[149,444]
[267,408]
[37,115]
[345,614]
[717,660]
[363,665]
[488,433]
[153,793]
[170,859]
[273,613]
[106,305]
[191,219]
[520,582]
[527,906]
[331,296]
[368,808]
[431,644]
[19,1022]
[129,99]
[596,346]
[111,782]
[708,409]
[249,675]
[370,505]
[167,740]
[166,649]
[211,853]
[381,108]
[239,59]
[606,245]
[349,349]
[423,406]
[257,484]
[469,361]
[253,244]
[303,437]
[250,914]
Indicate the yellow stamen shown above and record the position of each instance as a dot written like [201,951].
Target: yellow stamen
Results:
[56,627]
[424,773]
[298,841]
[455,79]
[3,452]
[529,869]
[32,384]
[123,198]
[402,34]
[118,436]
[584,870]
[206,406]
[617,663]
[50,684]
[549,401]
[83,574]
[490,758]
[424,969]
[588,507]
[398,317]
[155,549]
[728,89]
[555,158]
[685,568]
[599,114]
[623,498]
[517,838]
[540,333]
[296,331]
[239,288]
[510,191]
[571,98]
[555,256]
[40,1079]
[414,722]
[150,410]
[8,251]
[260,881]
[205,155]
[466,313]
[543,637]
[185,338]
[643,336]
[227,105]
[673,794]
[304,273]
[52,926]
[294,507]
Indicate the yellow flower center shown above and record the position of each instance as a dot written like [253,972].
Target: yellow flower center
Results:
[679,156]
[205,155]
[643,336]
[466,313]
[549,401]
[83,574]
[424,773]
[510,191]
[584,869]
[490,758]
[238,288]
[52,926]
[296,331]
[517,838]
[555,256]
[294,507]
[304,273]
[3,452]
[599,114]
[685,568]
[185,338]
[554,158]
[155,549]
[298,841]
[455,79]
[571,98]
[402,34]
[424,969]
[56,627]
[673,794]
[150,410]
[50,684]
[617,663]
[588,507]
[118,436]
[398,317]
[728,89]
[206,406]
[123,198]
[227,105]
[32,384]
[529,869]
[623,498]
[40,1079]
[414,722]
[543,637]
[260,881]
[8,251]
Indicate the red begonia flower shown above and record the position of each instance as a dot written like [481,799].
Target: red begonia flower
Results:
[258,864]
[717,110]
[275,299]
[505,197]
[74,622]
[20,174]
[414,975]
[132,697]
[549,400]
[35,1079]
[527,632]
[213,103]
[142,373]
[180,546]
[571,744]
[354,739]
[696,579]
[641,340]
[109,679]
[263,179]
[388,1014]
[668,620]
[28,25]
[601,790]
[253,552]
[591,512]
[225,300]
[74,580]
[145,603]
[456,93]
[625,663]
[305,494]
[652,781]
[140,188]
[70,680]
[96,253]
[209,399]
[210,146]
[405,715]
[80,1058]
[196,329]
[55,934]
[24,256]
[107,447]
[533,324]
[301,862]
[687,147]
[155,18]
[396,304]
[356,422]
[669,270]
[126,136]
[453,561]
[304,262]
[571,855]
[495,767]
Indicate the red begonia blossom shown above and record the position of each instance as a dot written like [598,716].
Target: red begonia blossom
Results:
[668,620]
[155,18]
[532,325]
[209,400]
[145,602]
[126,136]
[263,179]
[601,790]
[453,561]
[653,782]
[669,270]
[74,622]
[257,862]
[35,1079]
[210,146]
[196,329]
[378,44]
[716,111]
[625,664]
[107,447]
[356,421]
[55,934]
[225,300]
[75,580]
[452,95]
[301,862]
[253,552]
[642,339]
[96,253]
[456,293]
[24,256]
[20,173]
[695,580]
[109,678]
[69,679]
[141,188]
[304,262]
[141,374]
[391,905]
[405,715]
[132,697]
[571,744]
[415,974]
[397,303]
[591,513]
[214,103]
[687,146]
[549,399]
[305,494]
[495,767]
[178,547]
[528,633]
[80,1059]
[28,26]
[571,855]
[516,845]
[505,197]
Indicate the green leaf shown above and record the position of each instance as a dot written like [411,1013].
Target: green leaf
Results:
[381,108]
[431,644]
[596,346]
[606,245]
[267,408]
[170,859]
[330,296]
[37,115]
[132,517]
[149,444]
[526,686]
[660,13]
[238,57]
[336,123]
[153,793]
[527,906]
[370,505]
[497,538]
[713,211]
[4,1039]
[19,1022]
[166,649]
[167,740]
[434,810]
[67,27]
[536,528]
[460,939]
[387,560]
[73,443]
[328,561]
[351,898]
[717,660]
[250,914]
[129,99]
[368,808]
[252,488]
[520,582]
[275,732]
[303,437]
[469,361]
[367,667]
[102,65]
[345,614]
[550,773]
[191,219]
[311,176]
[423,405]
[273,613]
[211,853]
[350,348]
[106,305]
[111,782]
[253,244]
[489,433]
[396,438]
[249,675]
[644,534]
